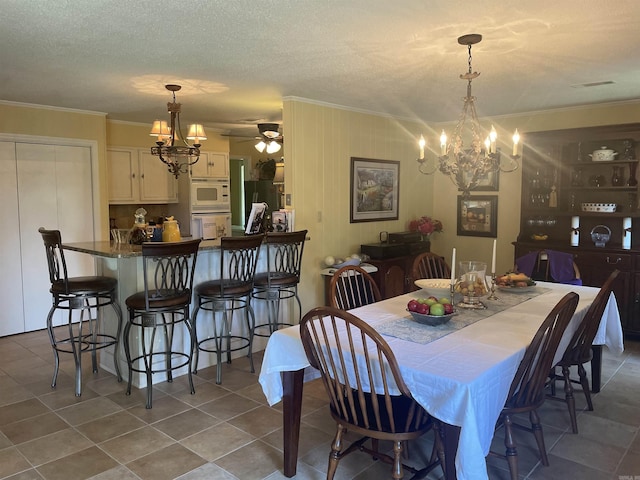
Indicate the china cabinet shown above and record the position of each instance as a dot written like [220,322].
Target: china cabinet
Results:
[580,195]
[136,176]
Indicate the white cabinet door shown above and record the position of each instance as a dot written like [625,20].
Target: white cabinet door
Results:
[122,165]
[157,185]
[12,318]
[211,165]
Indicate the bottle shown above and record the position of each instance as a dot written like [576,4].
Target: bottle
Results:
[170,230]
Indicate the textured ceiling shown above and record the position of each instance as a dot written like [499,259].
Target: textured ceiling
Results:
[237,59]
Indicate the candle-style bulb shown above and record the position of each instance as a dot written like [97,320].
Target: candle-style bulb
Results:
[422,142]
[516,140]
[443,143]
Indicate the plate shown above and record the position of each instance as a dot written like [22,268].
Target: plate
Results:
[505,288]
[432,320]
[438,287]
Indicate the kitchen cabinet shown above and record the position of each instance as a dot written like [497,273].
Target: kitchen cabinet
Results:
[577,182]
[211,165]
[136,176]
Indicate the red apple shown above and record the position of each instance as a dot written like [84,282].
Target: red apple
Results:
[448,308]
[413,305]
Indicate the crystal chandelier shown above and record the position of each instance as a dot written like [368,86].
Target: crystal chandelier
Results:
[180,157]
[467,164]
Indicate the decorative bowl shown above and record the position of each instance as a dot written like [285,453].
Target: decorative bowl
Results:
[600,235]
[603,154]
[437,287]
[432,320]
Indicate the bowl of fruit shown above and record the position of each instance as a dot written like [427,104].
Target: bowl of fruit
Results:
[431,310]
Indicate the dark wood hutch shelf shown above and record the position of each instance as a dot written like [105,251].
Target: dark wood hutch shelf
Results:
[558,175]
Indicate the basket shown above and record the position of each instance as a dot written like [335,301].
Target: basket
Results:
[600,234]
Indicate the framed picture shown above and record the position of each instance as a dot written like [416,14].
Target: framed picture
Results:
[478,215]
[254,223]
[487,183]
[374,190]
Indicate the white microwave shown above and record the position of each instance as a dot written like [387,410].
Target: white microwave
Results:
[210,195]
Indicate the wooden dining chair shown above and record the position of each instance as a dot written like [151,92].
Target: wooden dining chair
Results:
[351,287]
[429,265]
[527,392]
[367,394]
[579,352]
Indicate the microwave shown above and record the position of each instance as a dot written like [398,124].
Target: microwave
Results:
[210,195]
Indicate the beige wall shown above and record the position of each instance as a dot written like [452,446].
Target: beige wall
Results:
[319,143]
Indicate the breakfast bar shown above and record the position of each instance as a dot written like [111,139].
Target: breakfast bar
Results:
[124,263]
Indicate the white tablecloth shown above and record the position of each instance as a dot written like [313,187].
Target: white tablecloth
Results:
[463,378]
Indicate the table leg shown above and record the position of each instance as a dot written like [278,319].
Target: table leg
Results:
[451,435]
[596,368]
[292,383]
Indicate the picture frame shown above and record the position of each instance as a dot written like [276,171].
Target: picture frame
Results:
[374,191]
[487,183]
[478,215]
[256,216]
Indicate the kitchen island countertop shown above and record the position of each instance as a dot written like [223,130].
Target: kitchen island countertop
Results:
[110,249]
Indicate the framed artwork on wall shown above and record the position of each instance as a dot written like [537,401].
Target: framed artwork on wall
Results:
[374,190]
[478,215]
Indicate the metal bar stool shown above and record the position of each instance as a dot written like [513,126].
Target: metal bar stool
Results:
[280,281]
[82,294]
[231,291]
[168,270]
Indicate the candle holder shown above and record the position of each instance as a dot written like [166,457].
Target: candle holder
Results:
[492,295]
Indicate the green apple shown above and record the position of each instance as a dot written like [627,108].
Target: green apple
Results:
[444,300]
[436,309]
[431,301]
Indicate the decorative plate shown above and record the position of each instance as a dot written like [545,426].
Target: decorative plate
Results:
[512,289]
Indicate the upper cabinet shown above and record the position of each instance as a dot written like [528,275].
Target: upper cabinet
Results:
[581,178]
[136,176]
[211,165]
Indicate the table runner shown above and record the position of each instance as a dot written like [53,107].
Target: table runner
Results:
[406,328]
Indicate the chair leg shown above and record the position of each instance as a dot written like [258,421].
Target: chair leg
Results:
[584,381]
[196,345]
[570,399]
[511,452]
[334,456]
[54,346]
[536,426]
[116,345]
[397,472]
[251,323]
[127,351]
[76,347]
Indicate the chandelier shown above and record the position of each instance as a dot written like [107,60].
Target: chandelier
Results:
[467,164]
[172,147]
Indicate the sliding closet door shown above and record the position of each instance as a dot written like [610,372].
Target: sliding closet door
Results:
[54,191]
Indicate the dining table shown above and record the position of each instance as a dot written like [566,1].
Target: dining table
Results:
[460,372]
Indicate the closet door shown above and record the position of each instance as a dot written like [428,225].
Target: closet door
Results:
[12,318]
[54,191]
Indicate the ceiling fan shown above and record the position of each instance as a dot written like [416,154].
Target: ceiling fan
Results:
[270,138]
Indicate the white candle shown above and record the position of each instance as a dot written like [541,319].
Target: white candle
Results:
[516,139]
[443,143]
[626,233]
[422,143]
[575,232]
[493,135]
[493,258]
[453,266]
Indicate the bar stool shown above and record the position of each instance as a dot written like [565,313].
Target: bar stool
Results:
[168,270]
[280,281]
[231,291]
[79,294]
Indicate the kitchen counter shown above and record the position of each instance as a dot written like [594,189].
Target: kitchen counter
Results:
[121,250]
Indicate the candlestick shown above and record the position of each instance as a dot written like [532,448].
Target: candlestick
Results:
[493,259]
[453,266]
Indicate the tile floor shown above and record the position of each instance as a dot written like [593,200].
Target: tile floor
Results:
[229,432]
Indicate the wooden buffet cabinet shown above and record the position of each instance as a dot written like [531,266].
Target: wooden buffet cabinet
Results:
[559,176]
